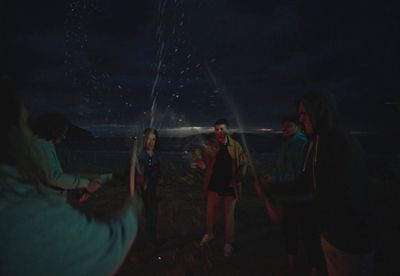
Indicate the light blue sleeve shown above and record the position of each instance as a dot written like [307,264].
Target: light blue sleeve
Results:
[55,172]
[48,237]
[290,160]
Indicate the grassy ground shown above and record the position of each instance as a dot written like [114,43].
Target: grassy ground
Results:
[259,248]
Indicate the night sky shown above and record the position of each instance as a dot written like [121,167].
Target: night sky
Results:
[118,66]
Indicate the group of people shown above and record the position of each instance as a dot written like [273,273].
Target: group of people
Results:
[316,190]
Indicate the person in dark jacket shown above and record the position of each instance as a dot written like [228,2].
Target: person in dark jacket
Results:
[148,177]
[298,214]
[335,168]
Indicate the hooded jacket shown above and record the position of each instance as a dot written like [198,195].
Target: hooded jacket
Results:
[336,170]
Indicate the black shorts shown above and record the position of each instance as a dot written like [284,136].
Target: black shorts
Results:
[222,191]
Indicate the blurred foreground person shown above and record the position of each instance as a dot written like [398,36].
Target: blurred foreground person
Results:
[41,234]
[336,170]
[51,129]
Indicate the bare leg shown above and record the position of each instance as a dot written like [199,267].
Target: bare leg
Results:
[213,200]
[230,203]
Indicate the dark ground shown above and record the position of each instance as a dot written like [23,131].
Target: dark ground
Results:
[259,248]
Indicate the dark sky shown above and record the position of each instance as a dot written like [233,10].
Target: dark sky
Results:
[104,63]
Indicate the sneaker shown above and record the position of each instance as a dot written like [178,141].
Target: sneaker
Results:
[228,249]
[206,238]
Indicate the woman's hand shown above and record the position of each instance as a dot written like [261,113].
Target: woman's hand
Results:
[262,186]
[274,210]
[94,185]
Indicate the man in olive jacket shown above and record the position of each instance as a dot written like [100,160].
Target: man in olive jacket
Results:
[226,164]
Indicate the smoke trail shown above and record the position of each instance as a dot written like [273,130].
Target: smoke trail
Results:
[218,85]
[160,56]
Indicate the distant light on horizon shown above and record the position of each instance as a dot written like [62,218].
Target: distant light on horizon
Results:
[184,131]
[265,129]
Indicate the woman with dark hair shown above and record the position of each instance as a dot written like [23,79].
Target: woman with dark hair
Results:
[17,144]
[337,170]
[41,234]
[148,178]
[51,129]
[51,126]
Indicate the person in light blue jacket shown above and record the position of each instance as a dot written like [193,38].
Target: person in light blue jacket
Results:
[41,234]
[51,129]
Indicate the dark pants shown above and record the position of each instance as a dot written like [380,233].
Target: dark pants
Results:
[150,214]
[299,220]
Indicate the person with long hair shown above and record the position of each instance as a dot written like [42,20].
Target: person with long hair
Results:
[149,177]
[336,168]
[41,234]
[51,129]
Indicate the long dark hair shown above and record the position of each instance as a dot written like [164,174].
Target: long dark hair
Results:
[10,116]
[17,143]
[322,110]
[50,126]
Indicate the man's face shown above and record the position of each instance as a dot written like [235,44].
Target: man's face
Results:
[221,132]
[305,119]
[288,129]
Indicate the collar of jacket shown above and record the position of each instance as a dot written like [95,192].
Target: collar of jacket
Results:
[229,142]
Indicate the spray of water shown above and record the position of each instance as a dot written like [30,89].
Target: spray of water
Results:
[160,57]
[161,53]
[224,94]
